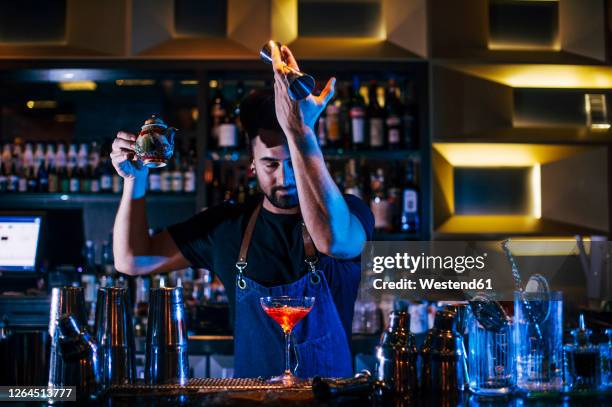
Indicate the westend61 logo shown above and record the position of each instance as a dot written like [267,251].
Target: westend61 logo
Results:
[412,264]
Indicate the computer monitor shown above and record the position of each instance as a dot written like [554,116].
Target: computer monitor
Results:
[19,241]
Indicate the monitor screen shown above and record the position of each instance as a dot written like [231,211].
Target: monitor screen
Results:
[19,237]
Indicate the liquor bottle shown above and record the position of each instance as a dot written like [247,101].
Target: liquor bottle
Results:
[379,204]
[357,114]
[82,156]
[28,156]
[166,179]
[50,156]
[43,177]
[344,105]
[351,185]
[64,179]
[410,221]
[74,180]
[332,124]
[53,178]
[7,157]
[60,156]
[106,176]
[154,184]
[189,176]
[322,130]
[31,179]
[39,156]
[394,197]
[13,179]
[22,182]
[409,119]
[376,117]
[228,132]
[394,111]
[177,176]
[94,176]
[17,158]
[72,157]
[217,113]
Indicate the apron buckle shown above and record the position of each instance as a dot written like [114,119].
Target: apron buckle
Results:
[314,274]
[240,282]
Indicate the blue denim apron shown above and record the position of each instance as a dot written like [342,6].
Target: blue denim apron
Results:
[320,344]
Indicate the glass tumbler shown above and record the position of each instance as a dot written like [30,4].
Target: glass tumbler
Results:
[490,358]
[538,340]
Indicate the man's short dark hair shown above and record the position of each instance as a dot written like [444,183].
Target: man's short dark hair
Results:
[257,111]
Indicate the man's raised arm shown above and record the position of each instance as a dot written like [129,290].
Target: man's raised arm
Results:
[335,231]
[136,252]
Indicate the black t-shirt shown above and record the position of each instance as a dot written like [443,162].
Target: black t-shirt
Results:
[211,239]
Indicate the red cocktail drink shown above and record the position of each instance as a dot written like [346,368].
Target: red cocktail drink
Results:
[287,312]
[287,316]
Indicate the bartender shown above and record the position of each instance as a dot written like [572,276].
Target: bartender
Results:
[301,237]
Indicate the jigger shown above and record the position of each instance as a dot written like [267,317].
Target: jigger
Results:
[300,83]
[115,337]
[166,349]
[70,301]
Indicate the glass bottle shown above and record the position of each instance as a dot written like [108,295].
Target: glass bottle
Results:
[376,116]
[379,204]
[582,361]
[393,121]
[357,114]
[409,221]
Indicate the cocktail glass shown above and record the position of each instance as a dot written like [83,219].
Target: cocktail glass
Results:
[287,312]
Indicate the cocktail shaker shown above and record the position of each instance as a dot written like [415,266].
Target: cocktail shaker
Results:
[444,369]
[69,301]
[166,348]
[396,357]
[79,352]
[115,336]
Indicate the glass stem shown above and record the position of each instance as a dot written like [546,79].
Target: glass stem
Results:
[287,353]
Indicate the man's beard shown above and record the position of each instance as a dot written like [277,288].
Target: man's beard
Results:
[286,201]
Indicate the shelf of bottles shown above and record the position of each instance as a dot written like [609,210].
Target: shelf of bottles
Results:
[369,134]
[82,170]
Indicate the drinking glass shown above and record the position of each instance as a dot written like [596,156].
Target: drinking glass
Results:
[490,357]
[538,338]
[287,312]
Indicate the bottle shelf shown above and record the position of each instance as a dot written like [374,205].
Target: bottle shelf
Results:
[328,153]
[54,200]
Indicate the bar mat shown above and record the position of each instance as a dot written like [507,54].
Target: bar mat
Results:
[206,386]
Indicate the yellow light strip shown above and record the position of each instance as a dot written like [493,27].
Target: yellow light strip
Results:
[536,191]
[41,104]
[135,82]
[543,246]
[543,76]
[502,154]
[78,85]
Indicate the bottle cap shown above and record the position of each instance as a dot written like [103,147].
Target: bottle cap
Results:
[581,334]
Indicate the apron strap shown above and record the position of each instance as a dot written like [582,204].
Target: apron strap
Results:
[309,250]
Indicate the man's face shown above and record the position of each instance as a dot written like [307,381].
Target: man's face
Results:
[273,168]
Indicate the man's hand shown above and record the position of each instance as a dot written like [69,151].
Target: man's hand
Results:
[293,115]
[124,158]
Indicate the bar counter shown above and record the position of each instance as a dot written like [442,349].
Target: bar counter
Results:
[210,394]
